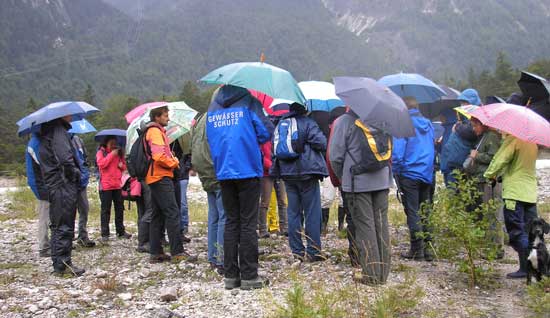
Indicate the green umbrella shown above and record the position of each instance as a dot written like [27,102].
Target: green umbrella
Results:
[259,76]
[181,118]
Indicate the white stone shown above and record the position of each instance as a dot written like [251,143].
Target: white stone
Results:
[168,294]
[149,306]
[125,296]
[98,292]
[33,308]
[101,274]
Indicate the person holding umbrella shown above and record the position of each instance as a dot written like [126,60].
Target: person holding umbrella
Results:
[111,164]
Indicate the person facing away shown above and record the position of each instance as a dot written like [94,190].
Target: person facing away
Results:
[83,206]
[62,178]
[515,162]
[301,176]
[413,164]
[35,180]
[235,127]
[160,180]
[365,175]
[110,162]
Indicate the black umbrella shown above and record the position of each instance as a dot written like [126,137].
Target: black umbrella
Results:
[449,101]
[534,87]
[494,100]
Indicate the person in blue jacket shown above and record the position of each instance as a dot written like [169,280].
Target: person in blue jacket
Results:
[412,163]
[301,176]
[235,127]
[35,180]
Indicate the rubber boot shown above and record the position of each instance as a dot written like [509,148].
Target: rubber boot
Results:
[324,221]
[341,216]
[416,252]
[522,272]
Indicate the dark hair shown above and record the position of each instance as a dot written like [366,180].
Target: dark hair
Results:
[157,112]
[106,140]
[476,121]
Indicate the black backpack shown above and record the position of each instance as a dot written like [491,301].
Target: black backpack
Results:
[140,157]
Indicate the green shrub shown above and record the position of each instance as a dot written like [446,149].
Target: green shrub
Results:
[538,298]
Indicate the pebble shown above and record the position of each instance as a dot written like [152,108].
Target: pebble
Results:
[34,309]
[149,306]
[102,274]
[168,294]
[125,296]
[98,292]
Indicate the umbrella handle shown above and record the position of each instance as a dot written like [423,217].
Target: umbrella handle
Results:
[529,102]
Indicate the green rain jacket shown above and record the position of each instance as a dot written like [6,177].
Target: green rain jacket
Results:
[201,160]
[486,150]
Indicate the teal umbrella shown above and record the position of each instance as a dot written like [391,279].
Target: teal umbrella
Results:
[259,76]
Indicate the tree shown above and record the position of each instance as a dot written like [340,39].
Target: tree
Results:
[89,95]
[32,106]
[190,94]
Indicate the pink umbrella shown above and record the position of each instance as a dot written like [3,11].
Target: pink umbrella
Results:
[518,121]
[141,109]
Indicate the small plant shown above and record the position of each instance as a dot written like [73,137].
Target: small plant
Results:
[107,284]
[399,300]
[538,298]
[461,229]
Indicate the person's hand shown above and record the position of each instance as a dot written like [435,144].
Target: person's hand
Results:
[114,151]
[454,127]
[120,165]
[473,153]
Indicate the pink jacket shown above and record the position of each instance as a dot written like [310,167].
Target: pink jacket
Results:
[109,172]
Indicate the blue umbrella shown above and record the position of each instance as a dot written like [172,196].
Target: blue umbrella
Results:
[415,85]
[81,127]
[120,135]
[375,105]
[32,122]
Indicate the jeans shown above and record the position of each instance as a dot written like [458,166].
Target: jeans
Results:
[216,226]
[184,209]
[241,199]
[516,218]
[413,194]
[304,203]
[83,207]
[108,197]
[62,217]
[43,225]
[165,212]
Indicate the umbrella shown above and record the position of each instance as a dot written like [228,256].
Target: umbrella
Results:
[375,105]
[518,121]
[264,99]
[139,110]
[32,122]
[534,86]
[259,76]
[81,127]
[493,100]
[449,101]
[279,107]
[181,118]
[120,135]
[321,96]
[415,85]
[466,110]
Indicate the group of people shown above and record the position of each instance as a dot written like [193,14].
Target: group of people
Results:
[240,155]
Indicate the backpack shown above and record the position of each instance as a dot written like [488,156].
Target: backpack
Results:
[376,149]
[288,144]
[140,157]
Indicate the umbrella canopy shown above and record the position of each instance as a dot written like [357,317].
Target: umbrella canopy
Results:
[139,110]
[32,122]
[466,110]
[81,127]
[120,135]
[321,96]
[494,100]
[375,105]
[518,121]
[415,85]
[534,86]
[279,107]
[268,79]
[181,118]
[449,101]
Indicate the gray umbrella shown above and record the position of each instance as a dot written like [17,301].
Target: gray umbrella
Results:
[375,104]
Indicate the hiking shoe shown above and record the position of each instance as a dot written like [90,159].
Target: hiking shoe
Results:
[298,257]
[263,235]
[143,248]
[85,242]
[413,255]
[316,258]
[256,283]
[44,253]
[428,255]
[184,238]
[124,235]
[516,275]
[155,259]
[217,268]
[104,239]
[184,256]
[72,271]
[231,283]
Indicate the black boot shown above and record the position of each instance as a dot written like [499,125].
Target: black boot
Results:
[324,221]
[522,272]
[341,215]
[416,252]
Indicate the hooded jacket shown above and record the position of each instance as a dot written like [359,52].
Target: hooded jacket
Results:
[164,162]
[57,156]
[458,148]
[413,157]
[34,174]
[236,126]
[470,96]
[201,159]
[110,174]
[311,162]
[486,150]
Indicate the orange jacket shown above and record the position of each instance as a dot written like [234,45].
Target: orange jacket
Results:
[164,162]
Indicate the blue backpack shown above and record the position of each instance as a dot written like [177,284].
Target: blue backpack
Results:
[288,144]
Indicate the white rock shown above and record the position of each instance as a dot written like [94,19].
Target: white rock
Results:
[168,294]
[4,308]
[101,274]
[73,293]
[144,273]
[98,292]
[149,306]
[33,308]
[125,296]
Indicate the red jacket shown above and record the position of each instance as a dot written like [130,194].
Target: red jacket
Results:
[266,156]
[109,172]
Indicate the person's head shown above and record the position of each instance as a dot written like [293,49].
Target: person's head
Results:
[469,97]
[160,116]
[67,118]
[109,142]
[478,127]
[411,102]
